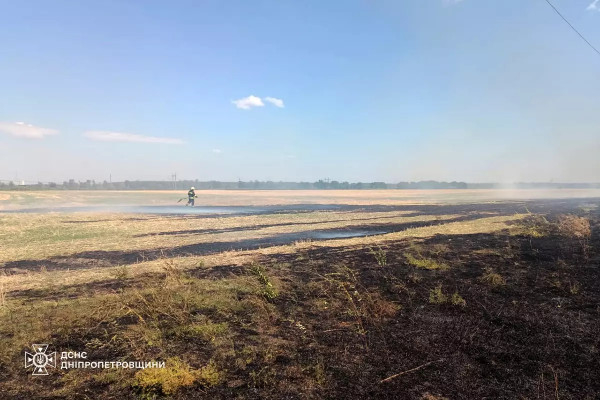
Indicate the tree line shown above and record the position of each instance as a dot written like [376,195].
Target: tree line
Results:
[322,184]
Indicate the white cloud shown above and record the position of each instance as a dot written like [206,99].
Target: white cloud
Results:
[275,101]
[23,130]
[594,6]
[216,151]
[247,103]
[105,136]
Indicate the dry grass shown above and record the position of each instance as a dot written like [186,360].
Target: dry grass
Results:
[175,376]
[40,280]
[578,228]
[574,226]
[425,263]
[38,236]
[437,296]
[492,278]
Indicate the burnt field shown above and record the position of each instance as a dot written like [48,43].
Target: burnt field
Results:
[497,300]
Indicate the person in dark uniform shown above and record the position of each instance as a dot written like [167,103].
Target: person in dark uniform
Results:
[191,197]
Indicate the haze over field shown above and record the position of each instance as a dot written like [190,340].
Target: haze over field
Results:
[356,91]
[255,201]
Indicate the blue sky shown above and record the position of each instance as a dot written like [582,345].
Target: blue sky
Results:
[472,90]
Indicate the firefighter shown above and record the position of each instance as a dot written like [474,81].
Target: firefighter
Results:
[191,196]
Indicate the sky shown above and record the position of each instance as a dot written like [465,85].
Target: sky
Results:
[369,90]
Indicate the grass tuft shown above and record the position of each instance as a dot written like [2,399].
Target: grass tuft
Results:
[437,296]
[492,278]
[457,300]
[425,263]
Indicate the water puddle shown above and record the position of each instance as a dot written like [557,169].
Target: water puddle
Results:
[179,210]
[323,235]
[143,210]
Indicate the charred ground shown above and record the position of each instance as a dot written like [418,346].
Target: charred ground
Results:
[513,313]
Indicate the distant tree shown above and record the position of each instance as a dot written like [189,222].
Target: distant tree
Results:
[320,184]
[378,185]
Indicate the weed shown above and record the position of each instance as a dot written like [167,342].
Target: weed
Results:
[319,371]
[121,273]
[173,274]
[380,255]
[268,290]
[347,284]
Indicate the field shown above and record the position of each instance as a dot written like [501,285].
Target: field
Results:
[327,294]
